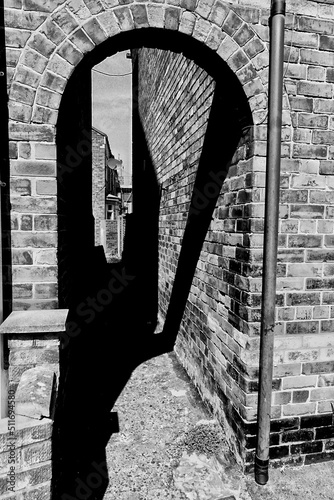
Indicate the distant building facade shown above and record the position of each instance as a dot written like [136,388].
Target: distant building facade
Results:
[105,182]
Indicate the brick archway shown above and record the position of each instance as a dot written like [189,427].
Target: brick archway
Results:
[49,57]
[52,52]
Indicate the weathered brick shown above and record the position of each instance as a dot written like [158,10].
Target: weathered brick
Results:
[22,257]
[53,82]
[201,30]
[30,274]
[204,8]
[22,93]
[46,6]
[23,20]
[321,394]
[301,104]
[22,291]
[16,37]
[300,396]
[318,283]
[307,270]
[172,18]
[218,13]
[26,222]
[312,121]
[94,6]
[290,255]
[45,290]
[27,76]
[244,35]
[320,312]
[187,23]
[35,239]
[326,42]
[322,137]
[238,60]
[316,73]
[82,42]
[95,31]
[53,32]
[326,167]
[44,115]
[34,61]
[23,132]
[19,112]
[45,257]
[328,270]
[307,211]
[45,223]
[311,24]
[33,168]
[310,241]
[109,23]
[308,447]
[299,435]
[281,398]
[309,56]
[40,204]
[323,106]
[309,151]
[302,327]
[21,186]
[47,98]
[124,18]
[59,66]
[70,53]
[299,409]
[188,4]
[42,45]
[65,20]
[232,23]
[306,298]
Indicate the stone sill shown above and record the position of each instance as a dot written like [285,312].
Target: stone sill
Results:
[22,423]
[36,321]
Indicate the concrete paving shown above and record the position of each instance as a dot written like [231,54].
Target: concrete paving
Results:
[169,448]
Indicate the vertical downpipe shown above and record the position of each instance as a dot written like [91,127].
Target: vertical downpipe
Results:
[270,237]
[4,203]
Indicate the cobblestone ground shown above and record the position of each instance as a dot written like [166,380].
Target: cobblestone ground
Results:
[168,448]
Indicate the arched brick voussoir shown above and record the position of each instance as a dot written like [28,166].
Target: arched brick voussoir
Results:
[76,27]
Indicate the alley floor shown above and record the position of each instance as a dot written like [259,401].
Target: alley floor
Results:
[170,448]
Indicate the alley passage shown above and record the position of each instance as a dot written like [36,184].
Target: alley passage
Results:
[156,454]
[152,458]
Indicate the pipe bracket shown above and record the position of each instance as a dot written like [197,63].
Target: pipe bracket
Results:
[278,7]
[261,471]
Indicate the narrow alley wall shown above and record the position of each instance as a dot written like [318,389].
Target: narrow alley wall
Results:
[218,341]
[175,100]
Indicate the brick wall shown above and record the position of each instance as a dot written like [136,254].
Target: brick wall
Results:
[31,474]
[98,180]
[43,48]
[219,337]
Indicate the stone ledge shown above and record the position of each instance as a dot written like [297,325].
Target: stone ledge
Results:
[38,321]
[23,423]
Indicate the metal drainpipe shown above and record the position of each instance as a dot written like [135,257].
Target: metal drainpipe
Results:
[270,237]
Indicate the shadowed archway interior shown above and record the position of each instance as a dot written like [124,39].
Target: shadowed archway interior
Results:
[108,338]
